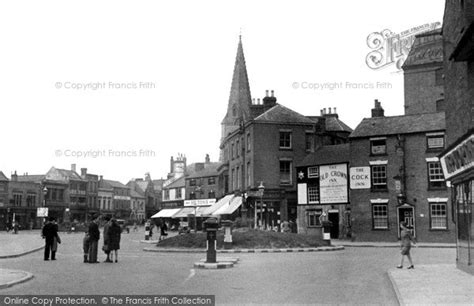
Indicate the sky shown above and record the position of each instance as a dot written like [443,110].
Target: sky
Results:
[118,87]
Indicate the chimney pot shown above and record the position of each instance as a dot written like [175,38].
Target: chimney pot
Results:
[73,167]
[272,92]
[322,113]
[335,111]
[266,93]
[258,101]
[329,109]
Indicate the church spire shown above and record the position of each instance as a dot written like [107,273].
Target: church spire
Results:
[238,108]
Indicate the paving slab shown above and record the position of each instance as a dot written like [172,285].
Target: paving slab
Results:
[433,284]
[15,245]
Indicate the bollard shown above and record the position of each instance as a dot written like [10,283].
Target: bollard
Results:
[211,226]
[147,230]
[327,231]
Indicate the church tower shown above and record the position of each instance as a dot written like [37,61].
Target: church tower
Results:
[238,108]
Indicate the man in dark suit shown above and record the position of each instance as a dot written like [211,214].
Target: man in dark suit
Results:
[50,232]
[94,236]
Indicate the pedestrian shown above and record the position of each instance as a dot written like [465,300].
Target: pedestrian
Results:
[106,247]
[49,234]
[135,227]
[163,230]
[114,233]
[94,236]
[406,239]
[285,227]
[85,246]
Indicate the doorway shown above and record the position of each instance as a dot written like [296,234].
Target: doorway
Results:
[333,216]
[406,213]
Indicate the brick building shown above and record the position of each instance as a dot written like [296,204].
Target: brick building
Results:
[424,74]
[4,211]
[24,199]
[105,193]
[262,142]
[121,199]
[323,191]
[145,187]
[406,182]
[92,193]
[458,158]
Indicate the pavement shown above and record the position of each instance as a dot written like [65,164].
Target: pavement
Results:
[426,284]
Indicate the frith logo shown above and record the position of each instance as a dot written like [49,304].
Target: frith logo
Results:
[389,48]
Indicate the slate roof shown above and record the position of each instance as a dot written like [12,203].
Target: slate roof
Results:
[407,124]
[62,174]
[327,155]
[282,114]
[209,170]
[31,178]
[333,124]
[3,178]
[176,184]
[135,194]
[115,184]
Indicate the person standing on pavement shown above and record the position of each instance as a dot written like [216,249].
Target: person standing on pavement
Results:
[406,239]
[163,230]
[114,233]
[85,246]
[49,233]
[94,236]
[106,246]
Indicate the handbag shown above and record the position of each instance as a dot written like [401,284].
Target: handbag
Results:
[105,248]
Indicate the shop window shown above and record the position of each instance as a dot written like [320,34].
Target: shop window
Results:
[313,172]
[285,172]
[379,177]
[192,195]
[313,194]
[378,146]
[314,217]
[211,195]
[438,216]
[435,175]
[380,216]
[285,140]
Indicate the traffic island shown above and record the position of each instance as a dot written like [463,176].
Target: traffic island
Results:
[10,278]
[225,259]
[214,265]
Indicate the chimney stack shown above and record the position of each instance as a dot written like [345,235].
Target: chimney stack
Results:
[208,159]
[268,101]
[73,167]
[84,172]
[14,177]
[377,111]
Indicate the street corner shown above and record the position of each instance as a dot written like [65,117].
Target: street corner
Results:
[422,285]
[9,278]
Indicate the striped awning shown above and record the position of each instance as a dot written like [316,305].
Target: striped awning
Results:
[230,207]
[166,213]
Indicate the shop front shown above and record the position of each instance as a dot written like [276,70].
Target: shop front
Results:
[458,167]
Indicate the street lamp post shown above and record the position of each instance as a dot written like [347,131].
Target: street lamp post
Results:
[45,192]
[261,189]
